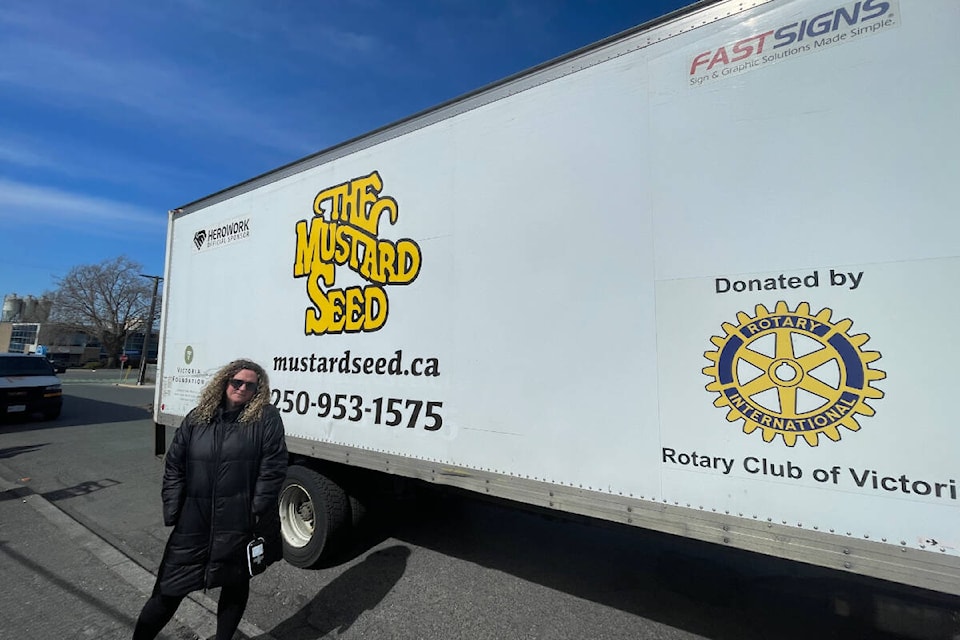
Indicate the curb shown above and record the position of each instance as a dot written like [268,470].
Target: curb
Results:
[197,611]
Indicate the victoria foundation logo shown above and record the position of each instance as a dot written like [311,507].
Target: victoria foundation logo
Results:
[793,374]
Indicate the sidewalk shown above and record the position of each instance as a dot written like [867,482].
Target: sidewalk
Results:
[61,581]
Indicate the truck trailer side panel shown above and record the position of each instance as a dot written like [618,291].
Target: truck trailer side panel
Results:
[695,278]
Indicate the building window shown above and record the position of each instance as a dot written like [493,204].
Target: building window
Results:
[23,337]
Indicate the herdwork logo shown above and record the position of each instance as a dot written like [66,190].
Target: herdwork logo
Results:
[842,25]
[790,373]
[222,234]
[345,231]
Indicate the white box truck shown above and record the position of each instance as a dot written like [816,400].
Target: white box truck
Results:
[699,277]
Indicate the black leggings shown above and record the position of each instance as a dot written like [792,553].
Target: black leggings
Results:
[160,608]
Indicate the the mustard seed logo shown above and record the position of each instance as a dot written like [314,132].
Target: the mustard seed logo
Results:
[790,373]
[345,230]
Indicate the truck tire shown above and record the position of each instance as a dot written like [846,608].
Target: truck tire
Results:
[313,510]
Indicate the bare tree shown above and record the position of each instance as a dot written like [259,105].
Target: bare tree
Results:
[108,300]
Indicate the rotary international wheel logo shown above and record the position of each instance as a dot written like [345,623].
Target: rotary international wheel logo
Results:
[793,374]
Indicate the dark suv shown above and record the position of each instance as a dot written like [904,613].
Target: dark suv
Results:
[29,385]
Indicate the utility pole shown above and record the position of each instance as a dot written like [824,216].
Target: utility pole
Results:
[149,331]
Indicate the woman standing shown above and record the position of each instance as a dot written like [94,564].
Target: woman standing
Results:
[221,481]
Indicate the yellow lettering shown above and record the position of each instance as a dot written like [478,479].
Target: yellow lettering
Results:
[338,197]
[336,300]
[407,262]
[365,192]
[316,317]
[369,267]
[388,256]
[385,204]
[360,246]
[343,243]
[354,311]
[313,250]
[349,310]
[375,308]
[344,231]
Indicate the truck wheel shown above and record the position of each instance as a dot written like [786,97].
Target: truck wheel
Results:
[313,510]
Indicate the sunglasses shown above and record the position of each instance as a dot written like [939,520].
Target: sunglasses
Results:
[239,384]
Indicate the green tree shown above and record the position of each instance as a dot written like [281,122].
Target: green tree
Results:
[109,300]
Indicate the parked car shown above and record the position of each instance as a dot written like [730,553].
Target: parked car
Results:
[58,366]
[28,385]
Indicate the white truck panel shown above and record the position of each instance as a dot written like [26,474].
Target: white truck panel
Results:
[719,301]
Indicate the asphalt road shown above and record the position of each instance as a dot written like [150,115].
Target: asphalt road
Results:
[447,565]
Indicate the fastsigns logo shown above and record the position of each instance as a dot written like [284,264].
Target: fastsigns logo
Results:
[345,231]
[790,373]
[836,26]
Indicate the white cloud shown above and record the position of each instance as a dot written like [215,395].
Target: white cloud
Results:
[141,86]
[156,90]
[31,205]
[138,73]
[22,156]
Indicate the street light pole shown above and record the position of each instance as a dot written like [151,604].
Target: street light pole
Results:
[149,331]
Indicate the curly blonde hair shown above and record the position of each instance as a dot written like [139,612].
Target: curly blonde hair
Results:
[212,395]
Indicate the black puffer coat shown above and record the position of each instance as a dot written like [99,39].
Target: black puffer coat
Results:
[221,483]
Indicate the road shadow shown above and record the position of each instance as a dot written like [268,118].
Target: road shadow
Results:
[77,411]
[338,605]
[12,452]
[81,489]
[705,589]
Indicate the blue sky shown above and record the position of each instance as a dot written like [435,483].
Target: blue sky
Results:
[112,112]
